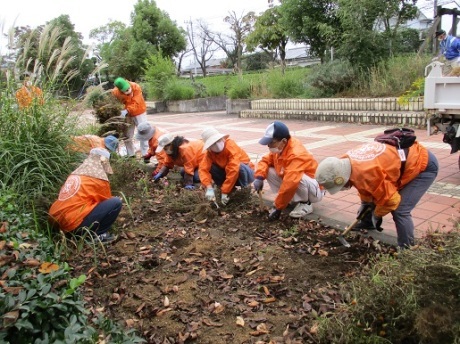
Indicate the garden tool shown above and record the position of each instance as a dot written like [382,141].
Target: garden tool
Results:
[261,201]
[350,227]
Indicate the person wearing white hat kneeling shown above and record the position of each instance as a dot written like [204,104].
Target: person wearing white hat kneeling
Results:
[225,163]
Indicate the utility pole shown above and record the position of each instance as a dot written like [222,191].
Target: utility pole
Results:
[435,13]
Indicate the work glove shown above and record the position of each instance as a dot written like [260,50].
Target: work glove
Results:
[274,214]
[189,187]
[363,209]
[157,177]
[210,196]
[123,113]
[377,222]
[258,184]
[224,199]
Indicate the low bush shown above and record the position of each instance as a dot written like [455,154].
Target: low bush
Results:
[287,85]
[176,89]
[241,90]
[413,298]
[331,78]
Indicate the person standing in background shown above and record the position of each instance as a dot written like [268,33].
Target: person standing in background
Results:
[130,94]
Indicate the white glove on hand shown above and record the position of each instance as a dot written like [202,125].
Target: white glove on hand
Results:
[210,196]
[123,113]
[224,199]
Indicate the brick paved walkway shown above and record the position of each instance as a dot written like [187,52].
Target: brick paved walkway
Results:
[438,209]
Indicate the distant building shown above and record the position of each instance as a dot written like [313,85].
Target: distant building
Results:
[300,56]
[213,67]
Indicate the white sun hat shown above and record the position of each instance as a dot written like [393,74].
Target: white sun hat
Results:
[210,136]
[164,140]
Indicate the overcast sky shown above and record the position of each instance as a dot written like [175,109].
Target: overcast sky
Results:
[89,14]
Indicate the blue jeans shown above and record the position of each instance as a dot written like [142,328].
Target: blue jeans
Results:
[245,177]
[196,177]
[410,196]
[101,218]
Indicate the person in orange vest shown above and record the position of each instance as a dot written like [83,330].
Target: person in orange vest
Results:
[374,169]
[84,143]
[29,93]
[85,200]
[183,153]
[289,170]
[130,94]
[150,134]
[225,163]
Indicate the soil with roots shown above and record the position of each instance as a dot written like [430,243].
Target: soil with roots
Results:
[186,271]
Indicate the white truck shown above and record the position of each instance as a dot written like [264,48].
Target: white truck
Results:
[442,104]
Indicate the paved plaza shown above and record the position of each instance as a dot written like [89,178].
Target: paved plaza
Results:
[438,209]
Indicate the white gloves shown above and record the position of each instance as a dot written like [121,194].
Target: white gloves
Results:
[123,113]
[224,199]
[210,196]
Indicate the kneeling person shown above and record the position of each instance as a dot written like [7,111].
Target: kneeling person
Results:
[289,170]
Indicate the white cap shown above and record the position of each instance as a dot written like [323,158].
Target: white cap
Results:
[164,140]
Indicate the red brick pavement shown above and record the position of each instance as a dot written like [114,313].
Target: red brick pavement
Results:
[437,210]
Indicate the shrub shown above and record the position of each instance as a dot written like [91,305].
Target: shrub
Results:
[241,90]
[413,298]
[178,90]
[332,77]
[158,71]
[285,85]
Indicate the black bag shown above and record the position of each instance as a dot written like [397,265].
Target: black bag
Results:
[398,137]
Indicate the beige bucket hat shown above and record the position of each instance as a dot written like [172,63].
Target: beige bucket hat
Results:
[211,136]
[164,140]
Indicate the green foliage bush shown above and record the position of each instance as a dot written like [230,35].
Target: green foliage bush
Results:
[331,78]
[413,298]
[176,89]
[392,77]
[241,90]
[158,71]
[288,85]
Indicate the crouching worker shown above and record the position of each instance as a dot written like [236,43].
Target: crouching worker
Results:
[84,143]
[224,163]
[85,200]
[150,134]
[383,183]
[183,153]
[289,170]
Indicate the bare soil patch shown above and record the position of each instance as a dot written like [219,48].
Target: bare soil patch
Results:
[184,271]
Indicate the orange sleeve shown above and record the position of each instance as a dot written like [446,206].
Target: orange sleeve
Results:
[232,167]
[204,170]
[390,205]
[263,165]
[192,154]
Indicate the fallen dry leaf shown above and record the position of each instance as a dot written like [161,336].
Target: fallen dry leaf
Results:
[323,253]
[130,235]
[218,308]
[163,311]
[240,321]
[140,308]
[48,267]
[202,274]
[10,317]
[31,262]
[3,227]
[269,300]
[166,302]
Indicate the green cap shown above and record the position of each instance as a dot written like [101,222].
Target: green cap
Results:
[122,84]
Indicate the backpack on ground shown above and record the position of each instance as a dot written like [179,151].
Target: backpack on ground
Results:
[399,137]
